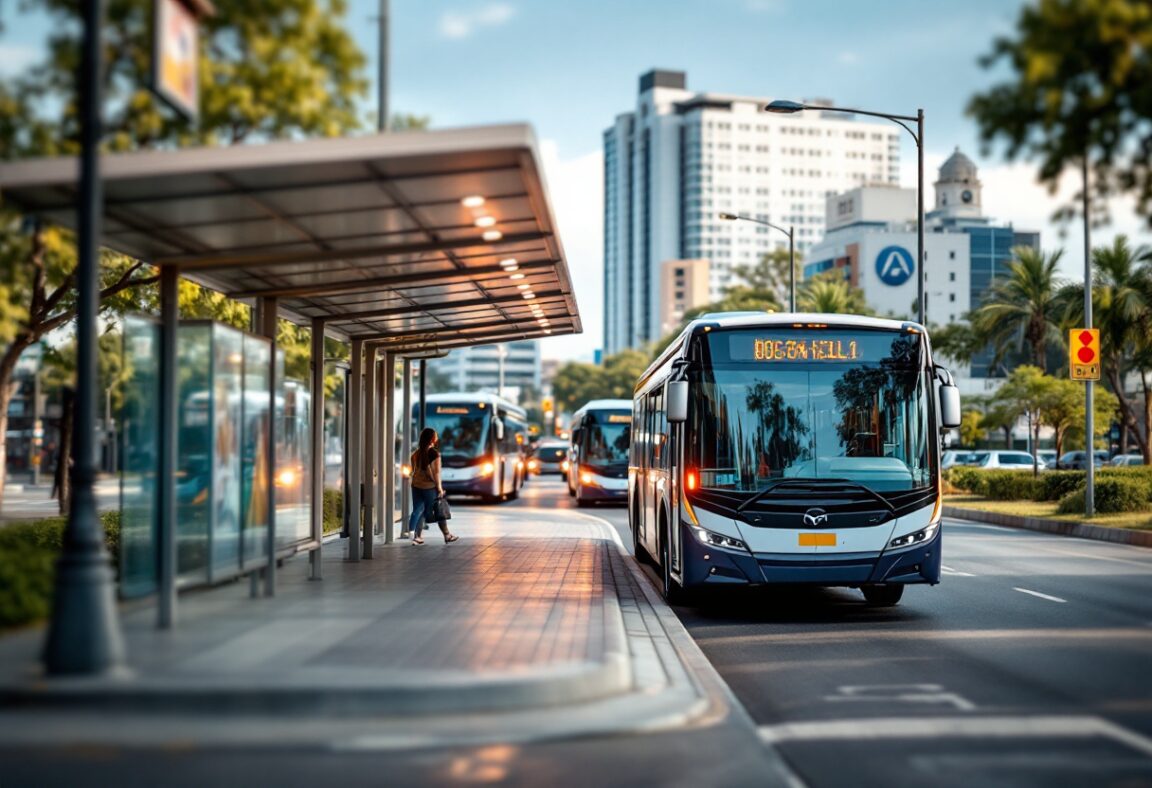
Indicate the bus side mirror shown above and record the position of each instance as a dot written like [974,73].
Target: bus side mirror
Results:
[499,430]
[949,406]
[678,401]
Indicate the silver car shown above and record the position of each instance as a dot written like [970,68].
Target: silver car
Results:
[1002,458]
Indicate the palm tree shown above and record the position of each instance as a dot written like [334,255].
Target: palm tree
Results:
[1122,310]
[830,293]
[1021,310]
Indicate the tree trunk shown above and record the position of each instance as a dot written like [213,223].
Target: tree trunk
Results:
[1115,379]
[63,483]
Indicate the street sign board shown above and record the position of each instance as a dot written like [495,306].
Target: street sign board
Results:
[175,55]
[1084,354]
[546,404]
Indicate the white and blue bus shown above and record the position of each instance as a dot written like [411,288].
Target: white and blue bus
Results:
[598,455]
[483,440]
[791,448]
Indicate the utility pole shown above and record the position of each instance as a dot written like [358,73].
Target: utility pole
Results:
[382,75]
[1090,447]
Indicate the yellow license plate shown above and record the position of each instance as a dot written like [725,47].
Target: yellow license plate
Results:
[817,540]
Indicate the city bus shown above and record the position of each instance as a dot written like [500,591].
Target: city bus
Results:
[483,440]
[791,449]
[601,434]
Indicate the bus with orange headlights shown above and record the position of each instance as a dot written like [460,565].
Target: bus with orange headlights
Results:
[601,436]
[483,444]
[791,449]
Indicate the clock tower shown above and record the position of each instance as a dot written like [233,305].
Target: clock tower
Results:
[958,188]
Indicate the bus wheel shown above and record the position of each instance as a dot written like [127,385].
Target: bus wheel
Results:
[883,595]
[638,549]
[581,503]
[673,592]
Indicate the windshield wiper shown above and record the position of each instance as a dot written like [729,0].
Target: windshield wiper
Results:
[815,484]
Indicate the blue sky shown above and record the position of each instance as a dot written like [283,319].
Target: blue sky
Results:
[569,67]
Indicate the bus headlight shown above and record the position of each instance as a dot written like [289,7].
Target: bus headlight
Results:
[286,478]
[713,539]
[923,535]
[586,478]
[564,466]
[487,468]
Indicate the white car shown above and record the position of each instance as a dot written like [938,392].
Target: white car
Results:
[1014,460]
[1127,459]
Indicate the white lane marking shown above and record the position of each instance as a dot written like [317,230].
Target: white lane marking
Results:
[954,572]
[976,727]
[1098,636]
[900,693]
[1038,594]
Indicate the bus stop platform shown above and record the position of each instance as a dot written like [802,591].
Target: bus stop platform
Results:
[536,625]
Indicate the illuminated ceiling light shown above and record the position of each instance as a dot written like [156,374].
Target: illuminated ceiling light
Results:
[516,276]
[485,221]
[492,235]
[523,286]
[472,201]
[529,294]
[547,331]
[509,263]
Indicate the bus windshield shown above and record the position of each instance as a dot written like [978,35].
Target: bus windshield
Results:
[774,404]
[463,430]
[607,435]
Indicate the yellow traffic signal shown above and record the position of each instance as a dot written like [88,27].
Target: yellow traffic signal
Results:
[1084,353]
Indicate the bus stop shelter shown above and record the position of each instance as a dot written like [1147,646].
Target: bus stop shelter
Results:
[404,245]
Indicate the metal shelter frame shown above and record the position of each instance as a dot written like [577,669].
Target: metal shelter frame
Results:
[405,245]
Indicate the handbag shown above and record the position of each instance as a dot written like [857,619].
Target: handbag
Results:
[440,509]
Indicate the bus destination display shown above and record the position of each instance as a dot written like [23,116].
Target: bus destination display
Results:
[805,349]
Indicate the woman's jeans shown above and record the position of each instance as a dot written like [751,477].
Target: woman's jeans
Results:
[422,501]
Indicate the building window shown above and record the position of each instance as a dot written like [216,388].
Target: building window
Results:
[951,276]
[952,297]
[952,255]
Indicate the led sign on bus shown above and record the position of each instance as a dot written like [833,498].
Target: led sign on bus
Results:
[619,418]
[805,349]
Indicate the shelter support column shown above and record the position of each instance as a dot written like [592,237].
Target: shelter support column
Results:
[166,443]
[389,433]
[369,471]
[406,442]
[352,447]
[318,453]
[268,316]
[382,395]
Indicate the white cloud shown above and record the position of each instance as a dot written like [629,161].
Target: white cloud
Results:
[14,58]
[462,24]
[576,190]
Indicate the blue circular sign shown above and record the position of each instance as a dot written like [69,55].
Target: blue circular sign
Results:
[894,266]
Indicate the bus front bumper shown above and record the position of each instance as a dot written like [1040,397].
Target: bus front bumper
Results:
[708,565]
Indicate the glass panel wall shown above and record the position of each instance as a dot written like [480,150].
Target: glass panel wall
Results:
[254,449]
[138,418]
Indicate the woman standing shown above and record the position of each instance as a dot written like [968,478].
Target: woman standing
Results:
[426,485]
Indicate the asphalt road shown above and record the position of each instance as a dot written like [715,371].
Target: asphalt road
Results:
[1029,665]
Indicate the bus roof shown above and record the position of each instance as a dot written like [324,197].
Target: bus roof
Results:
[605,404]
[471,397]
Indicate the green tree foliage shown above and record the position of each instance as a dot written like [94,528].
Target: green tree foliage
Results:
[956,341]
[1027,390]
[770,275]
[830,293]
[1079,72]
[575,383]
[972,428]
[1021,311]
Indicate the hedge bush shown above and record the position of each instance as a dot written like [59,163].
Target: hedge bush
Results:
[28,553]
[1112,496]
[973,480]
[333,511]
[1054,485]
[1010,485]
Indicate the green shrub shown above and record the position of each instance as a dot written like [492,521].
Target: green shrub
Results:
[1010,485]
[1139,473]
[333,511]
[1113,495]
[28,553]
[1054,485]
[973,480]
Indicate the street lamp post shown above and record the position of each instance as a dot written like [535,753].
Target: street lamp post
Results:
[789,107]
[790,232]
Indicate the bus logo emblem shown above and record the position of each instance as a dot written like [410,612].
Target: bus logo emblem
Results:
[815,517]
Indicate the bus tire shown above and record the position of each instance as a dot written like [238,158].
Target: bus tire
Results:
[885,595]
[639,550]
[581,503]
[672,591]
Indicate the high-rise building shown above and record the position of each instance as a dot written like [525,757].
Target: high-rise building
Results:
[680,158]
[872,239]
[478,368]
[684,285]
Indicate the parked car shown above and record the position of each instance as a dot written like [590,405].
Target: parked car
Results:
[1048,457]
[1016,460]
[1121,460]
[548,457]
[1075,460]
[952,458]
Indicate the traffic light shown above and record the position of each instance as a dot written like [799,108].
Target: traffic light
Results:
[1084,354]
[546,404]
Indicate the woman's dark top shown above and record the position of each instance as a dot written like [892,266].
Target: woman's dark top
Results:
[422,473]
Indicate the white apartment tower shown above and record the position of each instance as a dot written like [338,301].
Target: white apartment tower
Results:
[681,158]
